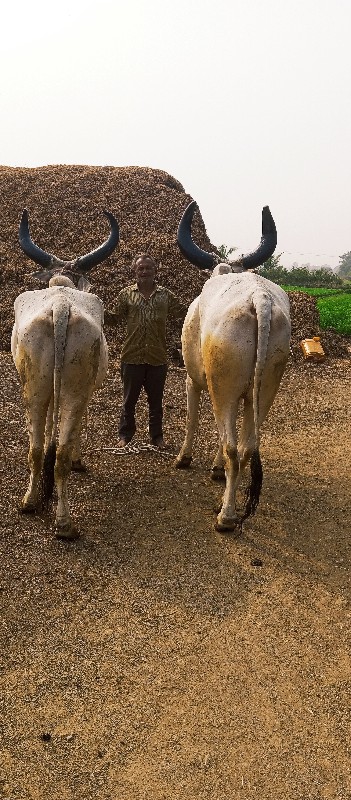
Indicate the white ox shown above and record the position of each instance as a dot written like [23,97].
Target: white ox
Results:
[60,353]
[235,344]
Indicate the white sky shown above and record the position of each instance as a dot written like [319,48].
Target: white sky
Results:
[245,102]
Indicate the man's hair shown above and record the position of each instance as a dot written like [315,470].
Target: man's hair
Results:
[143,255]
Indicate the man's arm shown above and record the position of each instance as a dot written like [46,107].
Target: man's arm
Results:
[176,309]
[113,318]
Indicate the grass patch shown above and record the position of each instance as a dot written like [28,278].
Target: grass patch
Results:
[335,312]
[314,291]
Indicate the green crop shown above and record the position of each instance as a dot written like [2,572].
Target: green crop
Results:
[334,306]
[335,312]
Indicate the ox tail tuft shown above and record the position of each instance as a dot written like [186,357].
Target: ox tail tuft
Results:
[253,491]
[48,474]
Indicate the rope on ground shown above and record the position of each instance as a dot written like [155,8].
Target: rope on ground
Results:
[130,450]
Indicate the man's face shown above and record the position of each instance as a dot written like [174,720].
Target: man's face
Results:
[145,269]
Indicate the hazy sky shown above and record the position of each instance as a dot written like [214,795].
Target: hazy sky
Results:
[245,102]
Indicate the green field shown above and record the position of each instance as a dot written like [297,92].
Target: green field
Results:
[334,306]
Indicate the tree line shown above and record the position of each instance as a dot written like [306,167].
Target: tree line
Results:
[301,276]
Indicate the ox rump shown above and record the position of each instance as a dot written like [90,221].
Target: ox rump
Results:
[235,344]
[60,352]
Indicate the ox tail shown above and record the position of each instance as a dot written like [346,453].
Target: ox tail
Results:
[263,307]
[48,477]
[252,495]
[60,314]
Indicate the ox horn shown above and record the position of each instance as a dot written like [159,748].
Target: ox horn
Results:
[86,263]
[267,244]
[82,264]
[187,247]
[29,248]
[205,260]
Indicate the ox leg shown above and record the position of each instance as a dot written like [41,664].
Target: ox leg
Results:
[247,441]
[193,393]
[77,463]
[36,424]
[218,470]
[63,522]
[70,423]
[228,519]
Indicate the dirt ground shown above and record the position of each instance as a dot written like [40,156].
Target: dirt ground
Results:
[155,658]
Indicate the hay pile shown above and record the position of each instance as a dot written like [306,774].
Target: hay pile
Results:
[65,205]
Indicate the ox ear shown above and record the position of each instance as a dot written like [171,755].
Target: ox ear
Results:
[83,284]
[43,275]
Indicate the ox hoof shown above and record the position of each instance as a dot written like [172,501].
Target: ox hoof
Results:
[183,462]
[228,525]
[218,474]
[78,465]
[28,508]
[68,532]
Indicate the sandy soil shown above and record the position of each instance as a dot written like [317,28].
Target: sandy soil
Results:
[155,658]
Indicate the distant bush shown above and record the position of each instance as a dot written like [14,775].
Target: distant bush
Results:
[300,276]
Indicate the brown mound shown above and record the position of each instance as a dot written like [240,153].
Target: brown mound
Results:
[65,205]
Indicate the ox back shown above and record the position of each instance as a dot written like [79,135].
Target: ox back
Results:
[235,343]
[60,353]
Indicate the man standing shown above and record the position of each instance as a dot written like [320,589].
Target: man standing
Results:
[145,306]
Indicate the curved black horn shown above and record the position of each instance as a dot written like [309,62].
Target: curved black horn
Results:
[188,248]
[86,263]
[29,248]
[267,245]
